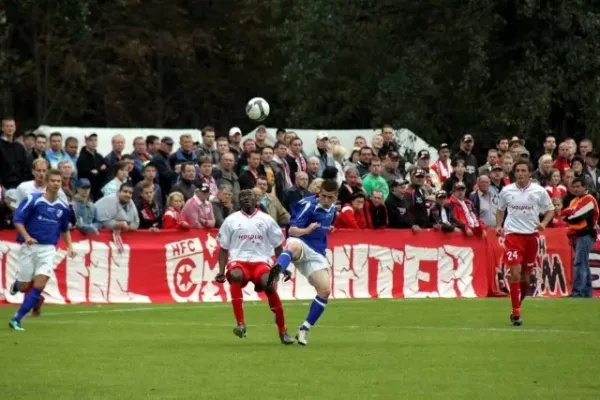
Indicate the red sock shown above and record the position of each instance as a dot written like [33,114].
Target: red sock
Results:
[277,308]
[515,298]
[237,301]
[524,286]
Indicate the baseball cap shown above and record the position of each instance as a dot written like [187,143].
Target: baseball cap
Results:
[167,140]
[204,188]
[459,185]
[83,183]
[515,139]
[497,167]
[440,194]
[12,195]
[393,155]
[261,128]
[398,182]
[419,172]
[467,138]
[322,136]
[90,135]
[444,146]
[235,131]
[423,154]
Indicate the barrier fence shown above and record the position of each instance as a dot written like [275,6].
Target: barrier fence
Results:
[174,266]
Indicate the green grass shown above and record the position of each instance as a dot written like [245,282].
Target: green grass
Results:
[377,349]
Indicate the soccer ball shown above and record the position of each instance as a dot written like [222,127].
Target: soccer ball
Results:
[257,109]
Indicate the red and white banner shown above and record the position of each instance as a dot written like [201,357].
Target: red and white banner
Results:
[173,266]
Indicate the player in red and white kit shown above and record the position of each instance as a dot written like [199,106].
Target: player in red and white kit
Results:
[523,202]
[247,239]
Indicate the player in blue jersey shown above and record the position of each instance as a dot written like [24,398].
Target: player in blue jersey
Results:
[40,220]
[306,246]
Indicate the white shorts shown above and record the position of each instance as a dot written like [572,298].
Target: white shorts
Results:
[34,260]
[309,261]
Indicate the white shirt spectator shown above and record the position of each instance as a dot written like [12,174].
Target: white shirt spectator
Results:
[523,207]
[29,187]
[250,238]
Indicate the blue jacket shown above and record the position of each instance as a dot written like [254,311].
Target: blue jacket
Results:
[85,211]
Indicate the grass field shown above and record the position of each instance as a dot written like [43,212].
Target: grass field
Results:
[362,349]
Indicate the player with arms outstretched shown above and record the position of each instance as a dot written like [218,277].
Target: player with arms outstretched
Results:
[40,220]
[247,239]
[523,201]
[306,246]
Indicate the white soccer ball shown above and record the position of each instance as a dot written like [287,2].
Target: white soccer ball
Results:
[257,109]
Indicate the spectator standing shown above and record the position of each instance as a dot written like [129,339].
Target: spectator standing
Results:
[121,175]
[465,153]
[544,167]
[591,169]
[443,165]
[578,167]
[222,204]
[29,141]
[496,180]
[207,147]
[92,166]
[418,214]
[391,168]
[442,215]
[423,162]
[272,171]
[360,142]
[117,211]
[84,209]
[14,161]
[313,166]
[198,211]
[295,158]
[279,157]
[68,178]
[582,218]
[222,147]
[71,148]
[585,146]
[351,185]
[387,132]
[459,175]
[261,137]
[554,186]
[249,176]
[376,145]
[563,161]
[116,154]
[485,203]
[296,193]
[322,152]
[150,211]
[152,145]
[464,212]
[373,181]
[206,168]
[186,185]
[502,146]
[184,154]
[492,160]
[225,174]
[149,172]
[375,211]
[55,153]
[398,205]
[40,147]
[39,168]
[249,147]
[8,206]
[364,160]
[352,214]
[140,156]
[167,176]
[172,218]
[271,204]
[235,138]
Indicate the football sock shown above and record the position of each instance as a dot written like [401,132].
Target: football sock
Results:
[31,299]
[316,309]
[237,301]
[515,298]
[277,308]
[284,259]
[524,286]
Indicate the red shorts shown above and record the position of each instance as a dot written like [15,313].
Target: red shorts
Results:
[252,270]
[520,249]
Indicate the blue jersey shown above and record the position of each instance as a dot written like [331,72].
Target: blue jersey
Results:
[307,211]
[44,221]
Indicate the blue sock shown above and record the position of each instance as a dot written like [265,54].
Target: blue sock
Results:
[284,259]
[314,313]
[29,302]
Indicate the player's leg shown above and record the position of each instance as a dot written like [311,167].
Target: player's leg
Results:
[32,298]
[321,281]
[525,282]
[292,252]
[275,305]
[530,253]
[514,281]
[237,279]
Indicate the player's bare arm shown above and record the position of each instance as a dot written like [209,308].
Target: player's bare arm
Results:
[499,220]
[546,220]
[66,236]
[223,259]
[297,232]
[23,232]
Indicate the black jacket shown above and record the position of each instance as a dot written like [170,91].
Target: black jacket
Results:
[418,208]
[6,217]
[398,208]
[247,180]
[15,166]
[471,164]
[346,191]
[86,163]
[292,196]
[278,176]
[435,216]
[166,175]
[448,186]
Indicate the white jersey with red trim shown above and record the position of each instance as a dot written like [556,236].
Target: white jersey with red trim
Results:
[523,207]
[250,238]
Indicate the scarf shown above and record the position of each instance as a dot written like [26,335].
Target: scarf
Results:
[300,162]
[286,170]
[443,171]
[471,220]
[149,211]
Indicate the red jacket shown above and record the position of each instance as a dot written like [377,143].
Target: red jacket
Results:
[349,218]
[172,220]
[561,164]
[459,214]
